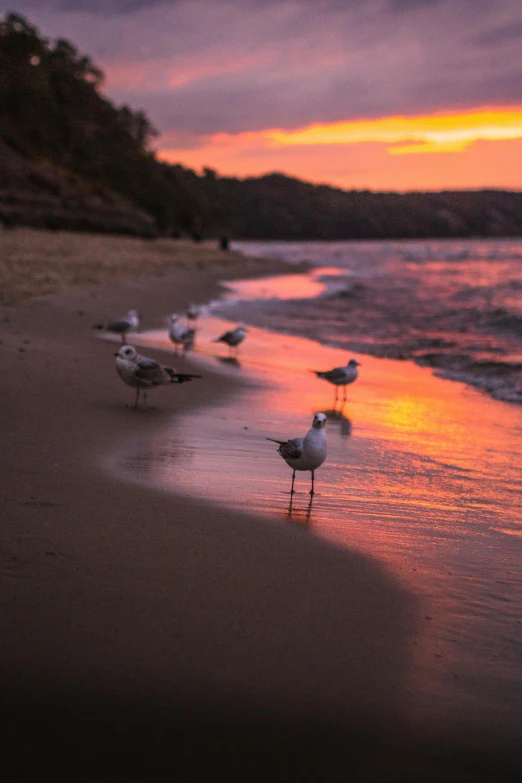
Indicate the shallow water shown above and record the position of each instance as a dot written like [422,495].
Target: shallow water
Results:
[453,306]
[422,474]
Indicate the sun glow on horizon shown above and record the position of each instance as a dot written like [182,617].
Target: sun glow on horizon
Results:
[454,150]
[430,133]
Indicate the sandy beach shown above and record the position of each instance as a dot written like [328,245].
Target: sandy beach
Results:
[150,632]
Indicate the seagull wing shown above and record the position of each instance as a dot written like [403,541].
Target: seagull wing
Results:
[225,337]
[292,449]
[179,377]
[150,371]
[337,374]
[121,325]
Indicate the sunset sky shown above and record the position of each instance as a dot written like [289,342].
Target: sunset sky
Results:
[372,94]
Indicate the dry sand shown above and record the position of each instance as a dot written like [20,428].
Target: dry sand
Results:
[145,633]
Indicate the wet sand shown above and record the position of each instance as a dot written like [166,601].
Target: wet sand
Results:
[152,633]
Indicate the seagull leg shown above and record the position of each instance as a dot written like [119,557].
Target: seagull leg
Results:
[137,399]
[312,490]
[123,341]
[344,395]
[144,399]
[293,479]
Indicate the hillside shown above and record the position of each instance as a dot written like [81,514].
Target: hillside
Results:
[71,159]
[279,207]
[32,196]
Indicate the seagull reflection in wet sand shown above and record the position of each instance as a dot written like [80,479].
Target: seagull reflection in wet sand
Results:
[336,415]
[231,361]
[301,516]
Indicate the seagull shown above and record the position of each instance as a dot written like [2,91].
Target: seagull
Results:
[340,376]
[233,337]
[181,335]
[128,323]
[143,373]
[193,312]
[306,453]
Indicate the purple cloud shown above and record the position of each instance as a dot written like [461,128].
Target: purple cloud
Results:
[205,66]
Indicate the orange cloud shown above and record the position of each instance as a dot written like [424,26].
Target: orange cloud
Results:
[431,133]
[474,149]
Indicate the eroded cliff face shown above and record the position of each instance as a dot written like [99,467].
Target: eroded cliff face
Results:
[33,194]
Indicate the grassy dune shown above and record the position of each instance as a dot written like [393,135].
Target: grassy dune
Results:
[34,262]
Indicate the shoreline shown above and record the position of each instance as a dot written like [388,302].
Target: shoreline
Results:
[131,616]
[475,344]
[88,610]
[390,489]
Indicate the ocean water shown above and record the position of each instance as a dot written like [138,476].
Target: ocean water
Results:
[453,306]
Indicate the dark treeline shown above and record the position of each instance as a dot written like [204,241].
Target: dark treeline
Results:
[66,147]
[278,207]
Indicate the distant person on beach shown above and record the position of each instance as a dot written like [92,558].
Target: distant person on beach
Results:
[193,312]
[224,242]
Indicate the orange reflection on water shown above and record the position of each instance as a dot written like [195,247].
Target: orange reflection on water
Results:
[415,463]
[282,287]
[404,444]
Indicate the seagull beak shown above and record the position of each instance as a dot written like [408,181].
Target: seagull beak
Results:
[116,354]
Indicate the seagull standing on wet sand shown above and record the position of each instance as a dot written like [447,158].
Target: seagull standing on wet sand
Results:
[306,453]
[128,323]
[340,376]
[233,337]
[181,335]
[143,373]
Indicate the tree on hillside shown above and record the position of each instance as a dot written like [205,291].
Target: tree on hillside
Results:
[52,110]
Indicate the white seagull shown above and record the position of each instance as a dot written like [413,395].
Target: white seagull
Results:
[340,376]
[306,453]
[128,323]
[233,337]
[181,335]
[143,373]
